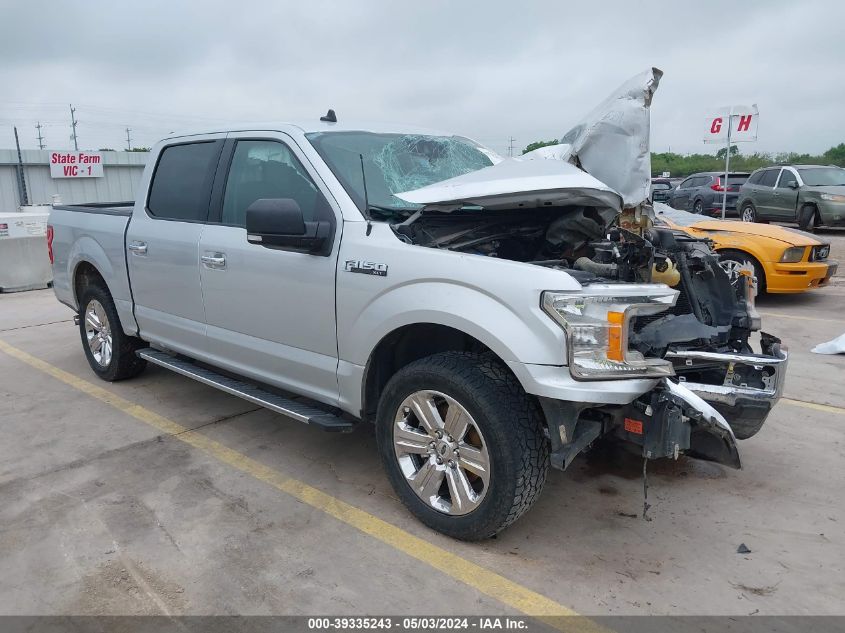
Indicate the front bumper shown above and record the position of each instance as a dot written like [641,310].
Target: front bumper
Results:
[751,385]
[798,277]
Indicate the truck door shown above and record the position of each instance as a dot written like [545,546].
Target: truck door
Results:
[270,311]
[162,243]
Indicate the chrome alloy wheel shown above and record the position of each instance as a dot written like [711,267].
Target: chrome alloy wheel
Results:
[441,452]
[747,214]
[733,269]
[98,333]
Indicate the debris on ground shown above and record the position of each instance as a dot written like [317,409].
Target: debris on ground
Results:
[836,346]
[743,549]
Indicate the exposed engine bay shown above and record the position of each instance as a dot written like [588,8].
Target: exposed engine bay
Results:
[600,246]
[706,334]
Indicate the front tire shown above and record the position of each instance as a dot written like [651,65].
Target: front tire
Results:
[731,262]
[807,217]
[110,352]
[462,444]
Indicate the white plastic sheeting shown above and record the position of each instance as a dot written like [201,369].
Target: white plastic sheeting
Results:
[836,346]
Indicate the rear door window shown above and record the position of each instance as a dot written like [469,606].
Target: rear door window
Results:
[769,178]
[181,185]
[686,184]
[755,178]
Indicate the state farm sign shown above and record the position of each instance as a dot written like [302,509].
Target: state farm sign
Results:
[76,165]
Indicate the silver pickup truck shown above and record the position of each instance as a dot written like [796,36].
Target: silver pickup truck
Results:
[491,317]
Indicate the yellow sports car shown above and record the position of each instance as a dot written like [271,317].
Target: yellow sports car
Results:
[784,259]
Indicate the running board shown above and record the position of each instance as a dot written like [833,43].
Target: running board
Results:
[299,411]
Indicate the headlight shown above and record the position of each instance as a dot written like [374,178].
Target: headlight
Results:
[832,197]
[792,255]
[596,324]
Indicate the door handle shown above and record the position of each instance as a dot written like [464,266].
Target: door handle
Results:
[137,247]
[216,260]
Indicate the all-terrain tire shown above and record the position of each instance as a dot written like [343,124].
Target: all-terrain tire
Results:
[509,420]
[123,363]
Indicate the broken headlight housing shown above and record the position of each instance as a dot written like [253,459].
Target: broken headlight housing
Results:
[596,322]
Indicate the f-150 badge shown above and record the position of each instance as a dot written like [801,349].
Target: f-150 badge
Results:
[365,268]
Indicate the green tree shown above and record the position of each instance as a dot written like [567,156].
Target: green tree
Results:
[538,144]
[139,149]
[721,153]
[835,155]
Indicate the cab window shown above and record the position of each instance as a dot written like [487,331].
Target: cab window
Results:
[267,169]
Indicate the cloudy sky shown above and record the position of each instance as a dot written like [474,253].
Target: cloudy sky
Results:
[490,70]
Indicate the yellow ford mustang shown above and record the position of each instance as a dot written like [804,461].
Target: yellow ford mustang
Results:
[784,259]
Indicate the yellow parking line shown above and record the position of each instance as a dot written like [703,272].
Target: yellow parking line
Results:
[488,582]
[827,408]
[800,318]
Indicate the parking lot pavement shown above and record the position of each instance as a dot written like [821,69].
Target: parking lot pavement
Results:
[102,511]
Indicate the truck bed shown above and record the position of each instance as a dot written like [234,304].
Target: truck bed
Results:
[92,235]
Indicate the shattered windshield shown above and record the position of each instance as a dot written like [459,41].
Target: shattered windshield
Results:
[394,163]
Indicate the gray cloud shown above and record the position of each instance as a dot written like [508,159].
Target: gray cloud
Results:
[486,69]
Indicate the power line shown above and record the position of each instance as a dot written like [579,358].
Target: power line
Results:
[40,138]
[73,123]
[510,145]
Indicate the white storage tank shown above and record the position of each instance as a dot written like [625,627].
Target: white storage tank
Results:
[24,261]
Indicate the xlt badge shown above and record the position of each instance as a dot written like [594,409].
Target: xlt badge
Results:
[365,268]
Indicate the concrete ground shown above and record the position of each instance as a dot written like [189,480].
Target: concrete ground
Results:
[103,513]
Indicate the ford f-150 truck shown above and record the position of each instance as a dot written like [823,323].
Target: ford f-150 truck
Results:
[491,317]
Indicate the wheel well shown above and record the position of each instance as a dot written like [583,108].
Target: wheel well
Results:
[757,264]
[816,215]
[86,275]
[402,347]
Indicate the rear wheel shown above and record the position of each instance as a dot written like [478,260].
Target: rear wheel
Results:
[748,213]
[463,445]
[698,207]
[732,263]
[807,217]
[110,352]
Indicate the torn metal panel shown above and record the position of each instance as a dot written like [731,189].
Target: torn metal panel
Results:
[612,142]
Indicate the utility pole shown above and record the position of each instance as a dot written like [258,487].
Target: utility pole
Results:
[73,123]
[21,179]
[128,140]
[510,145]
[40,138]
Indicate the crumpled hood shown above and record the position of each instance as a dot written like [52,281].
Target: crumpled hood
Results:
[516,183]
[612,142]
[603,161]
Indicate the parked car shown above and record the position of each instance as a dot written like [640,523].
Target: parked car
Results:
[702,193]
[472,308]
[660,189]
[811,195]
[784,260]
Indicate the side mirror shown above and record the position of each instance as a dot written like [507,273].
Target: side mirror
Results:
[279,222]
[792,184]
